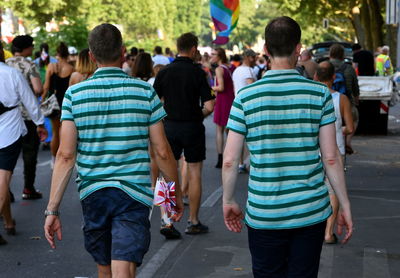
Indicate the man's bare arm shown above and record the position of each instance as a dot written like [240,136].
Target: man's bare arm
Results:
[37,85]
[334,169]
[208,107]
[232,152]
[64,164]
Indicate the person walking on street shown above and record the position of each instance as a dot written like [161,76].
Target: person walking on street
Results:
[14,90]
[352,90]
[223,87]
[22,47]
[243,76]
[187,100]
[57,82]
[107,131]
[383,64]
[288,123]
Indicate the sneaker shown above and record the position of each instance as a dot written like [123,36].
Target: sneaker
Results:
[30,194]
[242,169]
[192,229]
[169,231]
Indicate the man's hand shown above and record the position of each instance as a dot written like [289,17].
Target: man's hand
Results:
[42,132]
[344,221]
[52,226]
[233,217]
[179,210]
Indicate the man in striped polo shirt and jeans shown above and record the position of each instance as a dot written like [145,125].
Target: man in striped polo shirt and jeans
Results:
[288,123]
[107,123]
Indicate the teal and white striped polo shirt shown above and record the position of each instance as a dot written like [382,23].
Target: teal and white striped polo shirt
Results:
[112,113]
[280,116]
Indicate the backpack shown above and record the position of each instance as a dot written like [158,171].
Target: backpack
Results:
[339,84]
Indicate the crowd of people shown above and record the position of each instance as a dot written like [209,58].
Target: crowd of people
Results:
[125,118]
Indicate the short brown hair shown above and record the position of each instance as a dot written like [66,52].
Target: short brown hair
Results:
[105,43]
[186,41]
[336,51]
[282,35]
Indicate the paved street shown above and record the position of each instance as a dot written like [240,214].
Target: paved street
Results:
[374,251]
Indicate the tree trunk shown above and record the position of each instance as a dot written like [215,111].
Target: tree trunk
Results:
[356,22]
[376,23]
[366,25]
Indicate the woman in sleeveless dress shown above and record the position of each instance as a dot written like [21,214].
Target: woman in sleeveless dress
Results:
[57,82]
[84,68]
[223,87]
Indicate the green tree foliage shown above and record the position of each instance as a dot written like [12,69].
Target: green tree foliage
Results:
[347,19]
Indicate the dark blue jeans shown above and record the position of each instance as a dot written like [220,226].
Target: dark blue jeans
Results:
[286,253]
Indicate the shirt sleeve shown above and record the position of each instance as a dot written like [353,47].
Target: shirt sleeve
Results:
[237,121]
[34,71]
[328,110]
[157,110]
[66,109]
[28,99]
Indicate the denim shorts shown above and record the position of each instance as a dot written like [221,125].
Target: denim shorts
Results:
[116,227]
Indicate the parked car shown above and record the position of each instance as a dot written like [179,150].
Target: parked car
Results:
[320,51]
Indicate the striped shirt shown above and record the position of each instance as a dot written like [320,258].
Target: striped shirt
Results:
[280,117]
[112,113]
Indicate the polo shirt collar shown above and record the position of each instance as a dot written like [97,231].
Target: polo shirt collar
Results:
[104,71]
[283,71]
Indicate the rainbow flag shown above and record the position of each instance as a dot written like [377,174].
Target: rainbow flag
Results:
[225,15]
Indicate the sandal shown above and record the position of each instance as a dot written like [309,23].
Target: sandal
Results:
[334,240]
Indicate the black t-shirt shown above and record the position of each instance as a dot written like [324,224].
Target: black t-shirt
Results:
[365,61]
[184,87]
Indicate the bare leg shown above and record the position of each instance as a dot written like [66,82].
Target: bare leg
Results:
[104,271]
[194,174]
[5,209]
[55,141]
[220,138]
[123,269]
[184,177]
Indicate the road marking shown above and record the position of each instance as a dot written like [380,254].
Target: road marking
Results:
[213,198]
[374,198]
[326,262]
[158,259]
[48,162]
[152,266]
[375,263]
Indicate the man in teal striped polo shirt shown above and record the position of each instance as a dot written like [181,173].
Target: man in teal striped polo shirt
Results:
[287,122]
[108,122]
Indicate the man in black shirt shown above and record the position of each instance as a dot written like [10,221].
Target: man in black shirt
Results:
[363,61]
[184,89]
